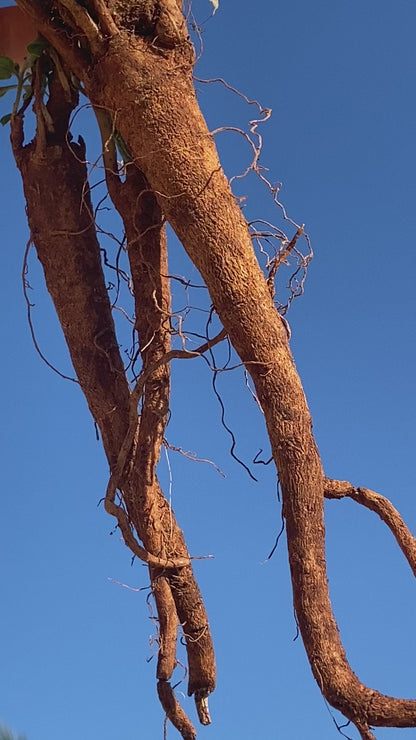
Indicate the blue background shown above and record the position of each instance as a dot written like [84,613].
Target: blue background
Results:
[74,645]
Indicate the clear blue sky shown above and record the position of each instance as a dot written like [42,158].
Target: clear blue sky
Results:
[340,78]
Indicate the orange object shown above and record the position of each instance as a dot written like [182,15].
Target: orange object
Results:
[17,30]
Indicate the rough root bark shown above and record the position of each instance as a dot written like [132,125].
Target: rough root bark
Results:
[135,63]
[55,182]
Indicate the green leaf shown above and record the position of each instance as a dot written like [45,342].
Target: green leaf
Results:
[122,148]
[6,89]
[5,119]
[35,48]
[28,91]
[7,68]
